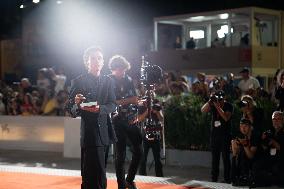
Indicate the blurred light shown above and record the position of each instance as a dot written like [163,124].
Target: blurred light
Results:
[224,16]
[224,30]
[36,1]
[21,6]
[59,2]
[197,34]
[197,17]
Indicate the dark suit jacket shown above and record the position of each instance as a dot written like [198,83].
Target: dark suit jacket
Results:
[96,128]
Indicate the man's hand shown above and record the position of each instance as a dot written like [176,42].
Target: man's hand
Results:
[79,98]
[274,144]
[94,109]
[235,147]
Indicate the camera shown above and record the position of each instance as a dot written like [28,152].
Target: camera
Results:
[150,74]
[129,112]
[213,98]
[242,104]
[217,96]
[268,135]
[243,142]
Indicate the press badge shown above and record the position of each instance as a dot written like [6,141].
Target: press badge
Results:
[217,123]
[273,151]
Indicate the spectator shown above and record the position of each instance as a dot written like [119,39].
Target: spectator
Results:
[43,81]
[245,40]
[190,44]
[59,78]
[177,44]
[248,84]
[14,107]
[273,86]
[27,106]
[279,94]
[200,87]
[2,105]
[216,43]
[26,86]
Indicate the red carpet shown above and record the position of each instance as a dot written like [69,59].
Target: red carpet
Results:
[37,181]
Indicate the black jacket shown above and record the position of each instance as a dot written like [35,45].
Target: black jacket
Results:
[96,128]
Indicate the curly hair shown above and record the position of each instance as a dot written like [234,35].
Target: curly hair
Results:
[118,61]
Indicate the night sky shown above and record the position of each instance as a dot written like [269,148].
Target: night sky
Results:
[139,13]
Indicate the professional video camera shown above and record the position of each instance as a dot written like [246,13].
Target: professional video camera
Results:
[150,74]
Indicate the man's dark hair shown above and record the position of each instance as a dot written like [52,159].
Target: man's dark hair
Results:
[88,51]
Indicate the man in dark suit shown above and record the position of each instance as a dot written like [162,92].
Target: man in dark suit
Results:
[97,93]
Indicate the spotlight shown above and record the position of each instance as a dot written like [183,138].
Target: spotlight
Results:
[22,6]
[59,2]
[36,1]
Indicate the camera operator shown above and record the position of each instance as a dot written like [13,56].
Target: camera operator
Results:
[251,112]
[244,154]
[151,138]
[269,168]
[220,133]
[125,122]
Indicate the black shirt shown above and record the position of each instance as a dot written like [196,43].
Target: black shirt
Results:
[124,88]
[220,129]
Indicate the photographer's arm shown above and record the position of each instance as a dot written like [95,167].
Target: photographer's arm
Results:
[206,107]
[225,115]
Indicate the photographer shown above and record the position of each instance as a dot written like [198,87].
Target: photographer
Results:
[125,122]
[270,166]
[252,113]
[151,137]
[244,154]
[221,111]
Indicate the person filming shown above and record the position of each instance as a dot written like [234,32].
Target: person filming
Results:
[152,137]
[125,122]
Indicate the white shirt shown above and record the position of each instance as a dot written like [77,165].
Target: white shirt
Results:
[250,83]
[60,82]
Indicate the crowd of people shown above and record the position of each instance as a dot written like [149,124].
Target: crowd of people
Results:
[254,145]
[257,153]
[47,96]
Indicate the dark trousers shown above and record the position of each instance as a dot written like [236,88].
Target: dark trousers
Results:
[156,149]
[267,170]
[132,134]
[241,168]
[93,168]
[106,155]
[216,153]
